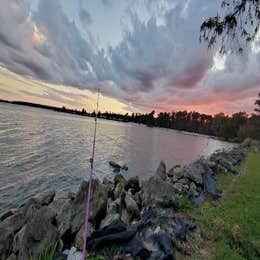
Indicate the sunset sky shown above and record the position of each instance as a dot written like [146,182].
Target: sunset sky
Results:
[141,54]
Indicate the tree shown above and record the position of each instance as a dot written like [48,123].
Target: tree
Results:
[238,26]
[257,103]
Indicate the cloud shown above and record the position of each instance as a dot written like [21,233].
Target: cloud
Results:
[159,62]
[84,15]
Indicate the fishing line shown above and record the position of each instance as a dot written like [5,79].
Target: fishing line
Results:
[85,234]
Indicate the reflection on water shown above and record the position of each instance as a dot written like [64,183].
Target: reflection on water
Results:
[42,149]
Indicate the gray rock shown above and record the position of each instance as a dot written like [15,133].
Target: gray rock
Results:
[12,257]
[119,178]
[131,206]
[134,184]
[193,189]
[178,187]
[183,181]
[14,222]
[118,191]
[74,255]
[194,172]
[114,164]
[39,232]
[155,190]
[71,195]
[138,199]
[126,217]
[176,173]
[109,219]
[114,206]
[161,171]
[79,236]
[98,205]
[18,238]
[63,217]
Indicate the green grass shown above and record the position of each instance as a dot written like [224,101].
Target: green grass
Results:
[239,208]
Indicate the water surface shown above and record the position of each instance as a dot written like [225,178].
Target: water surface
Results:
[43,149]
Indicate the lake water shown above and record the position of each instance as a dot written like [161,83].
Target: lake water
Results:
[42,149]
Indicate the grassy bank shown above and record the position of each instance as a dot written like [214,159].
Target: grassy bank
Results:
[231,226]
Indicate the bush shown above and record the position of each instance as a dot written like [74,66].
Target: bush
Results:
[247,142]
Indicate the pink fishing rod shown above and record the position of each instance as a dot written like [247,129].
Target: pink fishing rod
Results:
[85,234]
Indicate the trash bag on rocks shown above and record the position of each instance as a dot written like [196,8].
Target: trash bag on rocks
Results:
[113,234]
[136,248]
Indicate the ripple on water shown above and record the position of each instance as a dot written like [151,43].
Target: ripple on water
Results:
[43,150]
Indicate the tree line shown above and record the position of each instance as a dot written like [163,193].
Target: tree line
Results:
[236,127]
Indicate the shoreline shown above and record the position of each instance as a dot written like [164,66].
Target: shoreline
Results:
[78,113]
[140,209]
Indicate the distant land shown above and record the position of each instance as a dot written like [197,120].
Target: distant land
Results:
[57,109]
[233,128]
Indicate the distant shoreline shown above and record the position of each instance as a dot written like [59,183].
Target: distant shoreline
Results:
[84,113]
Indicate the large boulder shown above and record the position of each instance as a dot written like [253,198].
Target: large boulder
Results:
[98,205]
[134,184]
[63,208]
[155,190]
[113,212]
[131,206]
[79,236]
[161,171]
[195,171]
[39,232]
[120,179]
[176,173]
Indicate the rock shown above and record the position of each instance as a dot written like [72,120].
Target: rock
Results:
[178,187]
[126,217]
[134,184]
[64,216]
[193,189]
[109,219]
[161,171]
[138,199]
[227,165]
[39,232]
[79,236]
[119,178]
[6,215]
[113,212]
[74,255]
[12,223]
[173,204]
[115,165]
[131,206]
[71,195]
[155,190]
[183,181]
[46,199]
[8,227]
[176,173]
[194,172]
[114,206]
[12,257]
[17,243]
[98,205]
[118,191]
[109,185]
[125,167]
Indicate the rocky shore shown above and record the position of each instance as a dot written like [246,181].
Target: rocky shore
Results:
[128,219]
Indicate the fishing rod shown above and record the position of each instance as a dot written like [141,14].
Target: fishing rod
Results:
[85,234]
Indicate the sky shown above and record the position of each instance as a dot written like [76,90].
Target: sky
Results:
[142,55]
